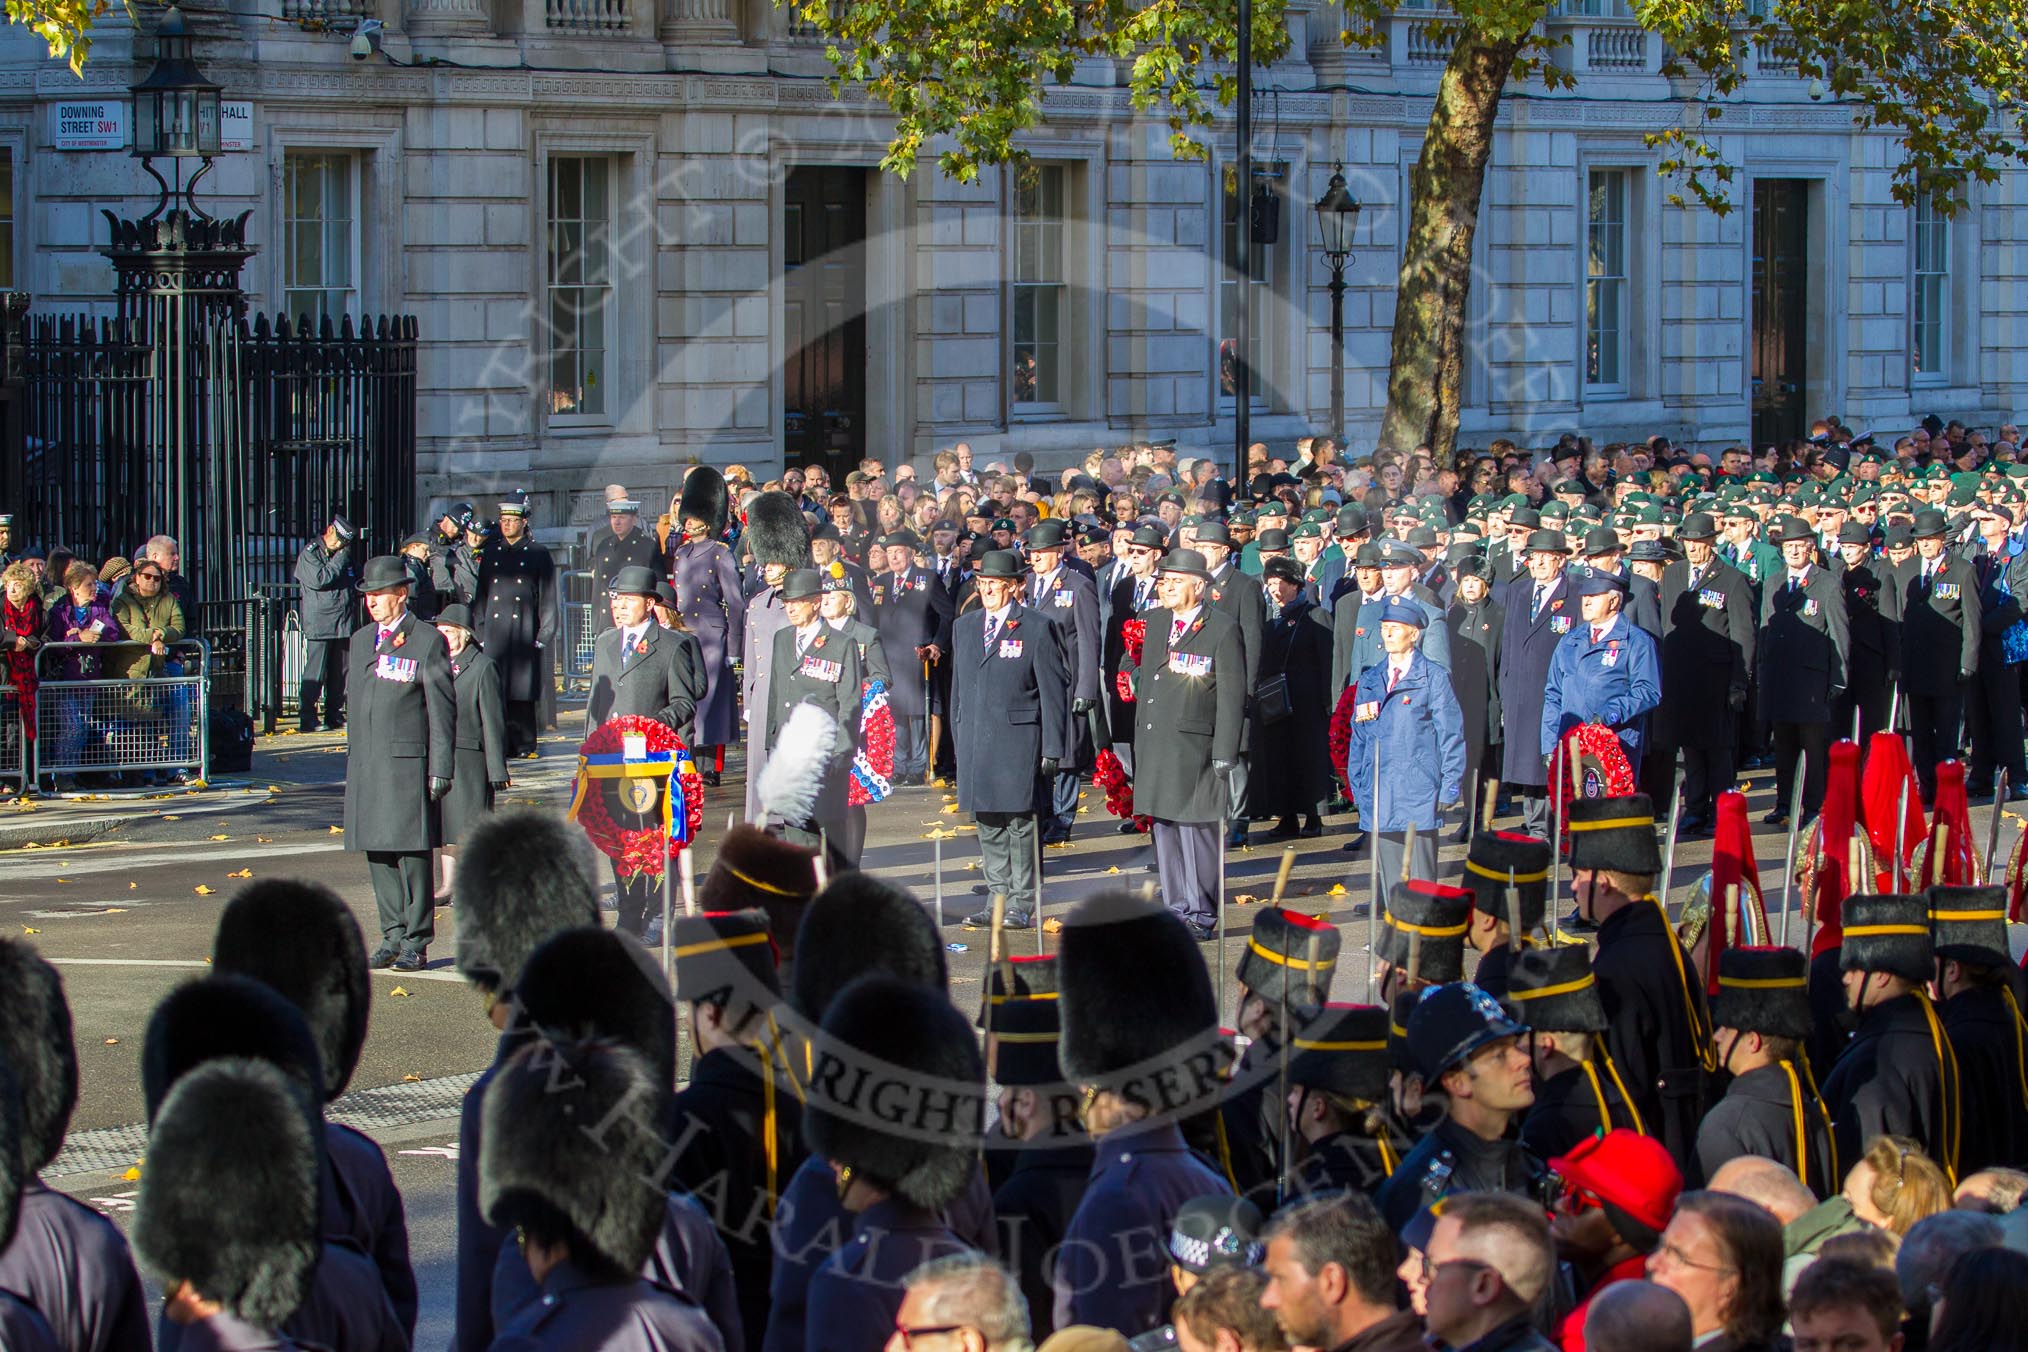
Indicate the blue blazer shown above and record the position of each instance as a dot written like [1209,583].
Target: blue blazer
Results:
[1420,731]
[1615,682]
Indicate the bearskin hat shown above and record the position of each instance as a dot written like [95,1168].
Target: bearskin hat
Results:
[776,531]
[11,1175]
[703,499]
[537,1155]
[859,925]
[889,1042]
[229,1197]
[222,1016]
[522,876]
[301,940]
[593,982]
[1136,994]
[35,1042]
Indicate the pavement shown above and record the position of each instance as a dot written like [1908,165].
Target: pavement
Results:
[123,894]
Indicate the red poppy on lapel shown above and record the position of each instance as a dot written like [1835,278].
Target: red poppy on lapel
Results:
[1196,624]
[1557,604]
[399,638]
[817,642]
[1011,625]
[641,646]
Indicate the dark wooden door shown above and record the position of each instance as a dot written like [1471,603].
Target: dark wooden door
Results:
[1781,275]
[824,318]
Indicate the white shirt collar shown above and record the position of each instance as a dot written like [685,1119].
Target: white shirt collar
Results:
[1000,616]
[1187,617]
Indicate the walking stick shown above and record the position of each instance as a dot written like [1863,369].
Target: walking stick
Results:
[1490,799]
[937,839]
[1789,857]
[1408,854]
[1218,912]
[1555,846]
[667,876]
[1993,829]
[1669,842]
[1036,846]
[1373,902]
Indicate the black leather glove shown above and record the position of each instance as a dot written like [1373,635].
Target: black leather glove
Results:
[1963,676]
[439,786]
[1080,707]
[1735,700]
[1047,769]
[500,784]
[1224,768]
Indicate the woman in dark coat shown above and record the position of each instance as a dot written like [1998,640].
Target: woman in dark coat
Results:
[480,754]
[1293,750]
[713,609]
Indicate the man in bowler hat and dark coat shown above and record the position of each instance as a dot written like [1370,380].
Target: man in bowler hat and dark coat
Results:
[1068,600]
[572,1173]
[1656,1032]
[399,756]
[639,669]
[1760,1022]
[523,877]
[479,752]
[1190,705]
[1540,611]
[300,940]
[883,1036]
[1141,1040]
[65,1259]
[1708,634]
[1937,598]
[814,664]
[1898,1076]
[1010,708]
[1802,652]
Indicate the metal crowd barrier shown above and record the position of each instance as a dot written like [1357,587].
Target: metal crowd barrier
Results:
[580,628]
[94,723]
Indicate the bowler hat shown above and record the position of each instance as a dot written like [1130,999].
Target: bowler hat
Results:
[383,572]
[1789,528]
[1188,562]
[633,580]
[1546,541]
[1000,564]
[456,616]
[1928,524]
[1273,540]
[1046,535]
[803,584]
[1604,540]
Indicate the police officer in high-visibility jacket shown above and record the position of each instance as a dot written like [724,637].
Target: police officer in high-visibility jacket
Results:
[1606,670]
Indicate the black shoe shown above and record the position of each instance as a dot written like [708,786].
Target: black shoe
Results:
[1018,920]
[1127,827]
[1235,839]
[1013,920]
[306,727]
[1356,844]
[383,957]
[709,777]
[1285,829]
[411,960]
[1776,818]
[1202,933]
[1311,830]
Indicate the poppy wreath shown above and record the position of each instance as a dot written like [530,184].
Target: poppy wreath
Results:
[1133,633]
[638,850]
[1602,770]
[1111,776]
[1340,732]
[872,777]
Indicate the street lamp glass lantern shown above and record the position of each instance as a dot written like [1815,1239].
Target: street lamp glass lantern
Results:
[1337,217]
[176,109]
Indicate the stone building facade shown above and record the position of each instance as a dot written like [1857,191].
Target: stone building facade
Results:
[640,232]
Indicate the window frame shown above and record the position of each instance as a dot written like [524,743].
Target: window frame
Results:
[1936,372]
[355,172]
[1272,283]
[1063,224]
[606,415]
[1623,282]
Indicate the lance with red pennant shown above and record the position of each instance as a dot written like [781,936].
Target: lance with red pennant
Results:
[1948,855]
[1891,806]
[1738,911]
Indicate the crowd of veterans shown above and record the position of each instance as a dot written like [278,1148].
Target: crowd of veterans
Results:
[1673,1133]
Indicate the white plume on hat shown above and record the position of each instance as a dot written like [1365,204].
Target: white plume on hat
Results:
[793,776]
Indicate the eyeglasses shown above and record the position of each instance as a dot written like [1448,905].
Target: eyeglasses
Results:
[1675,1254]
[1430,1270]
[909,1335]
[149,576]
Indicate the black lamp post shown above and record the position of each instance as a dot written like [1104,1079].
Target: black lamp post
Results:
[176,115]
[1337,218]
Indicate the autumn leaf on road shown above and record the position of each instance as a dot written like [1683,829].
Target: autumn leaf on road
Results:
[203,891]
[26,930]
[264,840]
[399,992]
[1337,889]
[221,837]
[243,873]
[337,830]
[112,1042]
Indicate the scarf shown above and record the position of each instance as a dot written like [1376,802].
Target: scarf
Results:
[24,621]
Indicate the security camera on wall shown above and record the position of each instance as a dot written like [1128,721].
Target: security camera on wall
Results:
[366,39]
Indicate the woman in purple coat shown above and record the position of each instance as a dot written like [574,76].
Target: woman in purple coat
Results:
[713,609]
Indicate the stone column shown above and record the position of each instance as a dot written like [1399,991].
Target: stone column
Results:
[690,22]
[433,18]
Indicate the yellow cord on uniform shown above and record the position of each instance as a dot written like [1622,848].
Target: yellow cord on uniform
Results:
[1632,1108]
[1947,1065]
[1707,1056]
[1817,1097]
[2020,1051]
[1802,1137]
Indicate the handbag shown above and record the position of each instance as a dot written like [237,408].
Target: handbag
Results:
[1271,702]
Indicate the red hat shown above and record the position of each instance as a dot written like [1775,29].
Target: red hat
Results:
[1630,1173]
